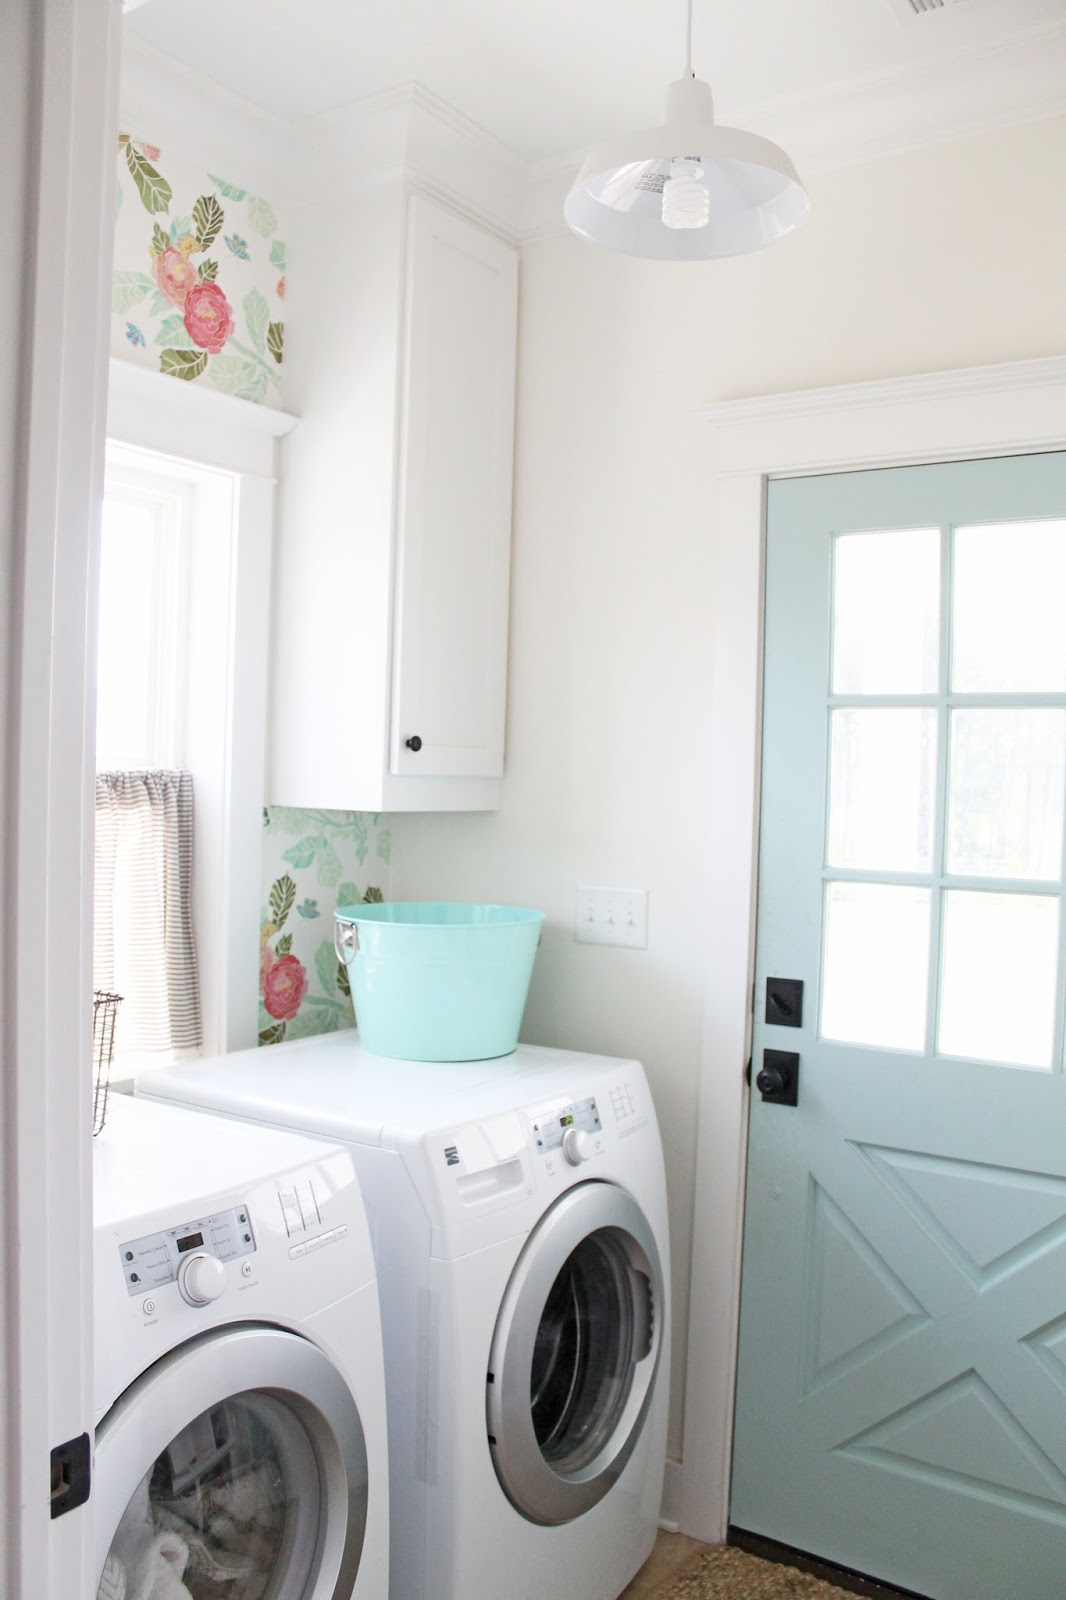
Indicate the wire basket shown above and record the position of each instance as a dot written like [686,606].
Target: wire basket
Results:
[105,1012]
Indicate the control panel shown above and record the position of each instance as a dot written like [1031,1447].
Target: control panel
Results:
[561,1130]
[159,1258]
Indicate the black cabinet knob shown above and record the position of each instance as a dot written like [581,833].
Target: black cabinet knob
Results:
[413,743]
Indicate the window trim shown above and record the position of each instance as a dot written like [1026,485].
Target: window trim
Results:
[170,423]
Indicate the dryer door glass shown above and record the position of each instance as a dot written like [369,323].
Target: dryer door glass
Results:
[583,1357]
[575,1354]
[229,1511]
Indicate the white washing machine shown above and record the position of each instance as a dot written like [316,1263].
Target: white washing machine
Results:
[518,1211]
[240,1441]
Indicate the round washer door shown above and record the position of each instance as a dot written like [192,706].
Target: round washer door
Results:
[235,1467]
[575,1353]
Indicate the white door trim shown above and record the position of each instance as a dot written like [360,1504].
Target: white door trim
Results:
[1011,409]
[68,58]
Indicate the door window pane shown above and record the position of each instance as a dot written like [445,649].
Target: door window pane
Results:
[876,974]
[1009,582]
[886,612]
[1005,806]
[998,977]
[881,798]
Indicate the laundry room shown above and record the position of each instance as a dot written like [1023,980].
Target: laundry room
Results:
[622,536]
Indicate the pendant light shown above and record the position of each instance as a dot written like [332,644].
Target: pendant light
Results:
[687,190]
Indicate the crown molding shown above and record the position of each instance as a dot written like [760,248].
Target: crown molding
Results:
[880,422]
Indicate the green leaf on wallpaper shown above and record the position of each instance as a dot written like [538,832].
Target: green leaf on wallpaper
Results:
[276,340]
[307,1024]
[254,388]
[207,219]
[160,240]
[373,897]
[180,228]
[185,364]
[257,317]
[129,289]
[329,864]
[326,966]
[172,332]
[360,837]
[287,819]
[155,192]
[301,855]
[159,305]
[284,945]
[348,894]
[231,374]
[277,254]
[207,271]
[385,846]
[282,897]
[261,216]
[342,980]
[229,190]
[273,1035]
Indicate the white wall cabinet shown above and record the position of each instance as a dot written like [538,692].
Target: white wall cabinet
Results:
[389,653]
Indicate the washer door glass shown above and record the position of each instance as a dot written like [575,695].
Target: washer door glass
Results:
[229,1510]
[575,1354]
[208,1491]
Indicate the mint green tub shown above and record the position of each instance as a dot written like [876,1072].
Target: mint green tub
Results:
[438,980]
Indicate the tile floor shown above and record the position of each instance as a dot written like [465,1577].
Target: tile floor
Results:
[671,1552]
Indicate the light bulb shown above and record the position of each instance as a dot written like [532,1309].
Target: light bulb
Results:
[686,202]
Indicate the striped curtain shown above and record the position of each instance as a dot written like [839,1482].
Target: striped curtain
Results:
[143,946]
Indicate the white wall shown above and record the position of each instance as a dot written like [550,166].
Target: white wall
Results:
[949,258]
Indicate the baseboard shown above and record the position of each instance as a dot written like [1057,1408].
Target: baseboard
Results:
[670,1509]
[841,1577]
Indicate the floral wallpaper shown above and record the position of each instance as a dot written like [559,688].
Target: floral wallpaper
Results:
[313,862]
[199,276]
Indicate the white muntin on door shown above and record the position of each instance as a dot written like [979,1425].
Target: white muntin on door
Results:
[901,1400]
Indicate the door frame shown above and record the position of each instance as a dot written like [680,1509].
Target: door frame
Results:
[1018,408]
[60,77]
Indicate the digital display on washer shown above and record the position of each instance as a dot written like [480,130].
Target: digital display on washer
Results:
[549,1131]
[190,1241]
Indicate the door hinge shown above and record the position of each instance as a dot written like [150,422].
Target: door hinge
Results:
[747,1073]
[71,1474]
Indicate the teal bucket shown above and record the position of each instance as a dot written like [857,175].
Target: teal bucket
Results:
[438,980]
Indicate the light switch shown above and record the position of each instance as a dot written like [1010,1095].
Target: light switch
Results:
[612,916]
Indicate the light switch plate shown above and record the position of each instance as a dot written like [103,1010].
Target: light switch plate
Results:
[612,916]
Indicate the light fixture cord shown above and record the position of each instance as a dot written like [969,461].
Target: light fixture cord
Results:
[688,57]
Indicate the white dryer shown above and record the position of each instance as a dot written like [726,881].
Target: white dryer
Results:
[518,1211]
[240,1439]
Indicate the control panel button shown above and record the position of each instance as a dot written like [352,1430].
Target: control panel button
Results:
[577,1146]
[247,1269]
[201,1279]
[148,1307]
[296,1251]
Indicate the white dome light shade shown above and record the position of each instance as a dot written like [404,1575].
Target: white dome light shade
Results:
[753,195]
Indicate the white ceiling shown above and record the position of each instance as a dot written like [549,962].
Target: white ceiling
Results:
[547,77]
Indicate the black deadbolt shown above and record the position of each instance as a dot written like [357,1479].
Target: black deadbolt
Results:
[414,743]
[778,1081]
[784,1002]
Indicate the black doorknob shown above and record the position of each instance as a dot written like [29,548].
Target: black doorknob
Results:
[771,1080]
[413,743]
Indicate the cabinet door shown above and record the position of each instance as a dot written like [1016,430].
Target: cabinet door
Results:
[453,545]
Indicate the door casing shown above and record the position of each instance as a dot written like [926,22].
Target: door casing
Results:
[1016,408]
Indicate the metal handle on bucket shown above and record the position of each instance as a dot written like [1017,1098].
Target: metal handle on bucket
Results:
[346,941]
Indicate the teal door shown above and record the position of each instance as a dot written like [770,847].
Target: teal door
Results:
[901,1398]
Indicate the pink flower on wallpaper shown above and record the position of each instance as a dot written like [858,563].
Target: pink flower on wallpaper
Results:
[174,275]
[266,961]
[208,319]
[281,288]
[284,987]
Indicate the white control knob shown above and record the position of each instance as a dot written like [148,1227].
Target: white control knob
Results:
[577,1146]
[201,1279]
